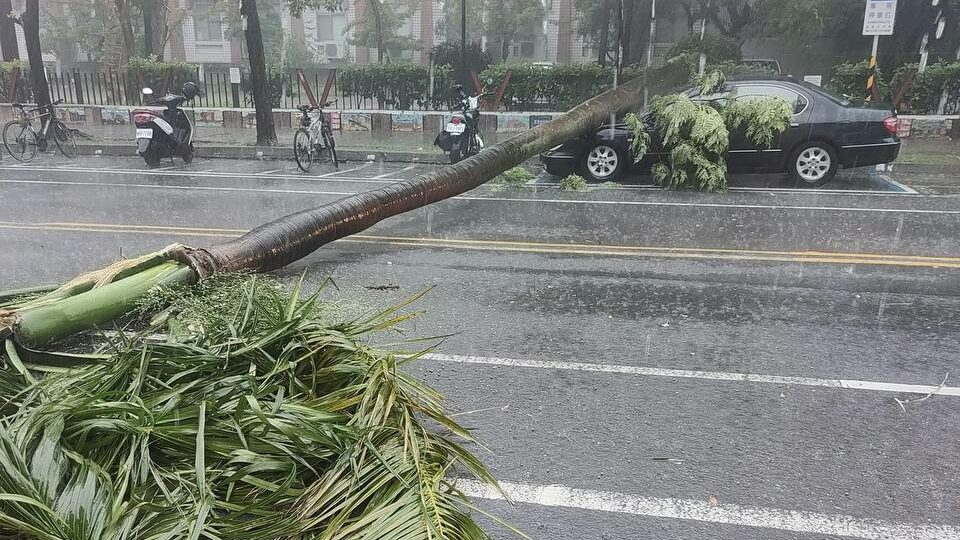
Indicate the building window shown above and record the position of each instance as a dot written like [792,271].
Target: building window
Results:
[330,26]
[523,49]
[207,24]
[587,51]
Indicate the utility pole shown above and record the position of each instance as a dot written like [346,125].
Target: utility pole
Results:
[650,45]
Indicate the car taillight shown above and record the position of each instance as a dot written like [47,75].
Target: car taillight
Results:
[142,118]
[456,120]
[890,124]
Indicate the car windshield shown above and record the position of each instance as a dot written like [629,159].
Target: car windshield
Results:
[479,269]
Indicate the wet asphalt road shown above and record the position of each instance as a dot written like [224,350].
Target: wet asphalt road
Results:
[722,283]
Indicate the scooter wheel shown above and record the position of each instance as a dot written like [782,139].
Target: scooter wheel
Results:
[152,158]
[455,156]
[188,153]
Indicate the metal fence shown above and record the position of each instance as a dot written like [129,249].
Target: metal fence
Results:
[114,88]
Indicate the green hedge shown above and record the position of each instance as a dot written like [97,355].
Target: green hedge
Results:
[850,79]
[398,86]
[160,76]
[555,88]
[923,95]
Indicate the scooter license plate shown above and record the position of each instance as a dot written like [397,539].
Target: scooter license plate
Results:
[144,133]
[455,128]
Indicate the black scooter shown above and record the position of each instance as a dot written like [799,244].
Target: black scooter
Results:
[461,136]
[168,133]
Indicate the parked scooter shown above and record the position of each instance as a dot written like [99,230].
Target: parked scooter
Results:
[461,136]
[167,133]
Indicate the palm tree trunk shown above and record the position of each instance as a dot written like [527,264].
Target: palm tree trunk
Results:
[293,237]
[266,134]
[38,74]
[8,33]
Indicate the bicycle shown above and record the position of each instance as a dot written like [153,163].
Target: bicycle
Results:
[22,141]
[313,138]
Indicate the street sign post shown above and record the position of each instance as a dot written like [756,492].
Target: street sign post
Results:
[879,18]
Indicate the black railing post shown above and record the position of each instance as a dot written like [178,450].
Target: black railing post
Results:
[78,86]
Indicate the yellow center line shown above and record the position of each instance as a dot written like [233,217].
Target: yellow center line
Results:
[808,257]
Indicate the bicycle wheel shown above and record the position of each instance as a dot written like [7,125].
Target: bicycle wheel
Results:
[19,140]
[302,149]
[331,146]
[65,139]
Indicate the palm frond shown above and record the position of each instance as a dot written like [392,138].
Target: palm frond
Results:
[259,405]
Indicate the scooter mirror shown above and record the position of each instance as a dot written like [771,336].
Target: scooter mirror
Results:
[147,91]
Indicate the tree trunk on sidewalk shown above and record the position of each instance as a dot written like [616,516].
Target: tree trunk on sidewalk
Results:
[377,10]
[8,33]
[38,75]
[604,43]
[154,28]
[266,134]
[126,30]
[293,237]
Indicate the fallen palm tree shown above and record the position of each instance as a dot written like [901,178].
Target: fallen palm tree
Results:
[100,297]
[259,415]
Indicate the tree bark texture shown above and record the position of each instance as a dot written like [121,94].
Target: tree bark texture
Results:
[377,10]
[126,30]
[266,133]
[604,44]
[38,75]
[8,33]
[293,237]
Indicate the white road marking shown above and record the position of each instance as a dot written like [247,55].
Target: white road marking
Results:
[503,199]
[388,173]
[334,173]
[209,174]
[846,384]
[905,188]
[269,172]
[179,188]
[703,511]
[715,205]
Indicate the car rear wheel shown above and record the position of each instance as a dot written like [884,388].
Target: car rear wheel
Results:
[604,163]
[813,164]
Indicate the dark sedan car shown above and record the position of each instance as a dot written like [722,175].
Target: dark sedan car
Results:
[825,133]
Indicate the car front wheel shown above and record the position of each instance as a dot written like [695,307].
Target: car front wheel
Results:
[605,163]
[813,164]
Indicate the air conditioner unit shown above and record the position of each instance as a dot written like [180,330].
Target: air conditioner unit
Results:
[332,51]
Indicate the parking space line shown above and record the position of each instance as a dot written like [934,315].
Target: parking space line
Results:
[388,173]
[905,188]
[179,188]
[205,174]
[640,371]
[269,172]
[588,202]
[705,511]
[334,173]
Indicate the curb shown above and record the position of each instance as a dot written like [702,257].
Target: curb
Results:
[272,153]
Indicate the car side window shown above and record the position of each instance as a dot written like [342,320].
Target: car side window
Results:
[758,91]
[717,100]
